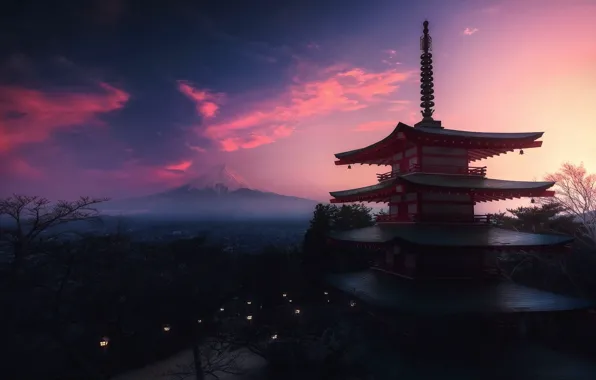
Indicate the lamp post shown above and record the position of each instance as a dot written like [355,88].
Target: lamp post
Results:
[196,350]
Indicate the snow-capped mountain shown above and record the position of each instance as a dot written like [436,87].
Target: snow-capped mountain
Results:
[219,178]
[220,193]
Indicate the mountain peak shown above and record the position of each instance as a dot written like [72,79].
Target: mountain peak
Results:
[219,177]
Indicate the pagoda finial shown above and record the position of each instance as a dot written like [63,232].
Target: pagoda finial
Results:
[426,80]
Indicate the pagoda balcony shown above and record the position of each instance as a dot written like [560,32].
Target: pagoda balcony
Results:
[440,169]
[436,218]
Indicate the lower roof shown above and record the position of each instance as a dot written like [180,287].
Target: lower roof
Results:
[450,297]
[449,235]
[451,181]
[472,182]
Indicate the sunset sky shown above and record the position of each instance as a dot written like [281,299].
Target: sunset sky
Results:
[124,98]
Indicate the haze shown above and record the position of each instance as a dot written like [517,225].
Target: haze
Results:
[126,99]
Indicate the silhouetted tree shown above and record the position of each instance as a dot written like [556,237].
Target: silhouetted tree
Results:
[501,219]
[327,218]
[33,215]
[353,216]
[576,192]
[546,218]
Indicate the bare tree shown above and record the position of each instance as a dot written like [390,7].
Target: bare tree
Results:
[576,191]
[214,357]
[32,215]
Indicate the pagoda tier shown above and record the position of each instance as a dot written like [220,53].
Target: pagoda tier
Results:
[445,251]
[411,189]
[460,237]
[416,141]
[444,299]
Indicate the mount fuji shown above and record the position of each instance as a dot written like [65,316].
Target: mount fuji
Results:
[220,179]
[219,193]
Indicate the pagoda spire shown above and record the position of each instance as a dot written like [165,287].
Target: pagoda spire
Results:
[426,81]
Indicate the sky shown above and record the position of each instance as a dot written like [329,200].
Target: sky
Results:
[120,98]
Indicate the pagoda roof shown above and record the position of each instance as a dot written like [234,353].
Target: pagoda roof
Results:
[472,182]
[451,181]
[480,135]
[366,189]
[449,235]
[481,140]
[444,298]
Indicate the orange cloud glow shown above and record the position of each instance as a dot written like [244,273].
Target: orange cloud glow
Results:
[206,102]
[29,115]
[337,90]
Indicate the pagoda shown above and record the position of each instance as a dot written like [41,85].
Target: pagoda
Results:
[437,257]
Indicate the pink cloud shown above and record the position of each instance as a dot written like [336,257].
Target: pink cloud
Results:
[255,139]
[181,166]
[378,125]
[197,149]
[206,101]
[470,31]
[132,177]
[328,90]
[28,116]
[62,177]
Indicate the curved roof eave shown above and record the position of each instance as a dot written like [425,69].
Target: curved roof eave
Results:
[363,190]
[447,132]
[472,182]
[350,152]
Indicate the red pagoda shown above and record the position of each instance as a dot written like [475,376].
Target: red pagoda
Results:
[431,239]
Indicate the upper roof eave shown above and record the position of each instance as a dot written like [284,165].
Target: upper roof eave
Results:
[453,133]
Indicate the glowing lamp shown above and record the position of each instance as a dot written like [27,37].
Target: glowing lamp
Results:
[325,293]
[352,303]
[284,294]
[274,336]
[290,301]
[248,302]
[221,309]
[249,317]
[104,342]
[297,311]
[166,328]
[199,321]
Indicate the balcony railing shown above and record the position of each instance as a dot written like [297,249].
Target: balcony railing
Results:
[385,176]
[449,169]
[434,218]
[443,169]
